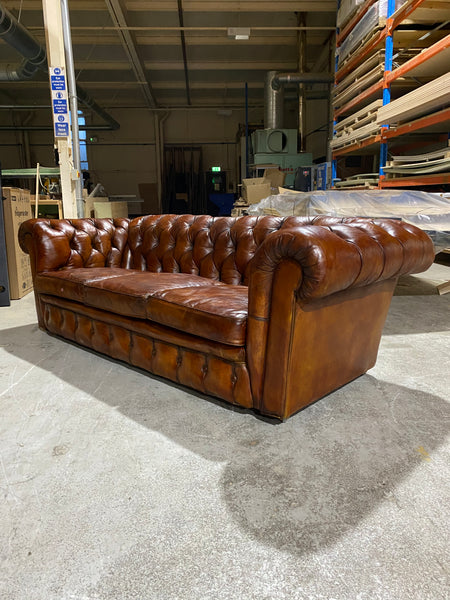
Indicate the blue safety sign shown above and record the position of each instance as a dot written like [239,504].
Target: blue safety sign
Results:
[60,107]
[62,129]
[58,82]
[60,102]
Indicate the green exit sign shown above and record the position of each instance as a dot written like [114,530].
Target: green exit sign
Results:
[215,169]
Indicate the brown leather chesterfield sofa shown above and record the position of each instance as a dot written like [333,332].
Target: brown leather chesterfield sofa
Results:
[266,313]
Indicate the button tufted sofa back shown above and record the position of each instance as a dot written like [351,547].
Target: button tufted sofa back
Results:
[219,248]
[74,243]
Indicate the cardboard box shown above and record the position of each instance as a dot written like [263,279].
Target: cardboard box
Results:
[256,189]
[110,210]
[16,210]
[253,181]
[256,193]
[276,178]
[89,212]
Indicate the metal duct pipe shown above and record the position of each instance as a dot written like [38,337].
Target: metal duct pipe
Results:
[26,70]
[273,102]
[20,38]
[281,79]
[50,128]
[302,87]
[274,96]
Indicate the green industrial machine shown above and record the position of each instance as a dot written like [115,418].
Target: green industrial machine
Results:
[279,147]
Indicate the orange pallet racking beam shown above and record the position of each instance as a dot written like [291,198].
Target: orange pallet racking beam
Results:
[440,117]
[418,60]
[375,139]
[416,181]
[404,11]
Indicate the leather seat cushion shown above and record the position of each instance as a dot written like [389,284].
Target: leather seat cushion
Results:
[219,314]
[189,303]
[70,283]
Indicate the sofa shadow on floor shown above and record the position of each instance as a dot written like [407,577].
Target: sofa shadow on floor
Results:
[298,487]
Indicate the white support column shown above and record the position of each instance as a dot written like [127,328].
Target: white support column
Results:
[56,58]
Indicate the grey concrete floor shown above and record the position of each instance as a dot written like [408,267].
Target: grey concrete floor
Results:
[118,486]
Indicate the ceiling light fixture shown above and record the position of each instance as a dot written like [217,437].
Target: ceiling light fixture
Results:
[239,33]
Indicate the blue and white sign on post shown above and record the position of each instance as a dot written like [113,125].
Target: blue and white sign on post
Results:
[60,103]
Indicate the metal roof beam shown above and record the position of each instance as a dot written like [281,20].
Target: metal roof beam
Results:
[117,14]
[199,5]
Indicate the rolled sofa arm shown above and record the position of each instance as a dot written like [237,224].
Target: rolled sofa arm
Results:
[338,256]
[300,267]
[73,243]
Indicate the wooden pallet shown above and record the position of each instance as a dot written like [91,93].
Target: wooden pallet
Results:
[361,181]
[358,135]
[354,187]
[358,119]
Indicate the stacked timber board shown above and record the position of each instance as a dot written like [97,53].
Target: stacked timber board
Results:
[428,98]
[367,73]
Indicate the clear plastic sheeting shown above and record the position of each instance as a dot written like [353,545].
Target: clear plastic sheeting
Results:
[430,212]
[347,9]
[375,17]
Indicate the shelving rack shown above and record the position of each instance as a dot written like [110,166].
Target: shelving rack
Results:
[383,42]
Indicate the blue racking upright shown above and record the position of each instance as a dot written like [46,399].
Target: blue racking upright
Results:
[374,82]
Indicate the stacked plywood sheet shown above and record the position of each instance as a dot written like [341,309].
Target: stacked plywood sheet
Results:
[433,67]
[426,99]
[370,71]
[357,127]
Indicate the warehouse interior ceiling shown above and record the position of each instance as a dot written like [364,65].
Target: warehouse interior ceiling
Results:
[176,53]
